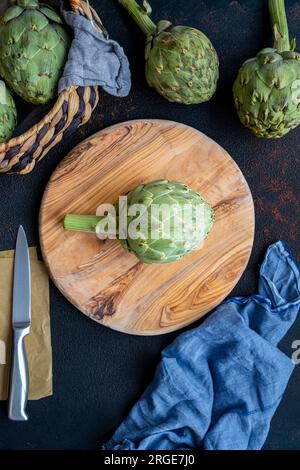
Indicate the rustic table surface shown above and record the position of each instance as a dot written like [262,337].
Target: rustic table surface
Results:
[100,373]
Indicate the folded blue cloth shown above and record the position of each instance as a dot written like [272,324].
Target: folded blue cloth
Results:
[94,60]
[218,385]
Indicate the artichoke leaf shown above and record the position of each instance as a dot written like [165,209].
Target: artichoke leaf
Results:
[162,25]
[64,37]
[34,20]
[156,57]
[172,60]
[183,41]
[8,113]
[279,100]
[51,39]
[266,50]
[51,14]
[12,13]
[279,74]
[247,71]
[291,55]
[168,79]
[12,35]
[268,57]
[258,91]
[295,89]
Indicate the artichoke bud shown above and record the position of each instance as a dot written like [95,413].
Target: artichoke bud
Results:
[266,90]
[181,63]
[33,50]
[170,233]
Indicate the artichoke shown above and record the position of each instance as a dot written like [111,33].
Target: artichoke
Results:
[267,88]
[8,114]
[33,50]
[181,62]
[172,221]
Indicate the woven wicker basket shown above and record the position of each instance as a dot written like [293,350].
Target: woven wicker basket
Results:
[72,109]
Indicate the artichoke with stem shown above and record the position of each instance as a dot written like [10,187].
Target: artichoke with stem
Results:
[8,113]
[33,50]
[267,88]
[177,221]
[181,62]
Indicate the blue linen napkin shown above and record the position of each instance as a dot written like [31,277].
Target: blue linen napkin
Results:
[218,385]
[94,59]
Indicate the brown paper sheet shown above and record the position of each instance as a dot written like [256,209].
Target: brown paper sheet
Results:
[11,253]
[38,342]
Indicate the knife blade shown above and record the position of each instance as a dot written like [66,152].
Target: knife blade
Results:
[21,320]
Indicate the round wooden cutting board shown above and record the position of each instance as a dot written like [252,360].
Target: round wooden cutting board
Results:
[109,284]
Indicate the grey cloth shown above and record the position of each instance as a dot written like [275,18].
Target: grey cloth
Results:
[94,60]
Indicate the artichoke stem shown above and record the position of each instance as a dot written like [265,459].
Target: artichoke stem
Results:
[279,25]
[140,16]
[81,223]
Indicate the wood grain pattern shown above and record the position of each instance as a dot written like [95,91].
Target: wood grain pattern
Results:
[110,285]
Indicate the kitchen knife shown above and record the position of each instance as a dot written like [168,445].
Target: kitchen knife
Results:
[18,393]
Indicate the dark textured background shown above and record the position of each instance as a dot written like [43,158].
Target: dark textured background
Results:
[99,373]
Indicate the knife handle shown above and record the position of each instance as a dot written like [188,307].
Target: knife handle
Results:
[19,378]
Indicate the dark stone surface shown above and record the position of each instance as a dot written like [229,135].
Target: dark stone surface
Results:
[99,373]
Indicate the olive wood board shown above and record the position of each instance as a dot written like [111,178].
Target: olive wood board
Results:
[112,286]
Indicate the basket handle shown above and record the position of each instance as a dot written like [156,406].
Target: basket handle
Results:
[84,8]
[75,4]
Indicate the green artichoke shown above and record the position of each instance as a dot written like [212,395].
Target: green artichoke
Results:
[267,88]
[33,50]
[8,113]
[181,62]
[176,219]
